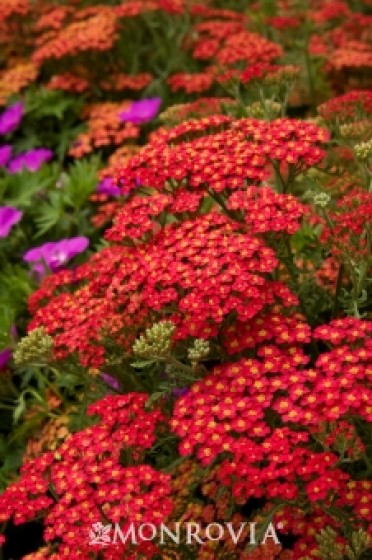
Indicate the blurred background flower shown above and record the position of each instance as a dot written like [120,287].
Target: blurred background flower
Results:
[54,255]
[11,117]
[141,111]
[9,216]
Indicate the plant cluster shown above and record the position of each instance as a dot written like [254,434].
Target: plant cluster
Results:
[185,284]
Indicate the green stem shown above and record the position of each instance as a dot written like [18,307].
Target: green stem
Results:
[309,74]
[340,277]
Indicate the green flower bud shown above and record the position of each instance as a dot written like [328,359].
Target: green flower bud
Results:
[328,548]
[363,151]
[199,350]
[321,199]
[156,341]
[257,111]
[37,347]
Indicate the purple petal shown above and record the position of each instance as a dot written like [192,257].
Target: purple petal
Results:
[31,160]
[180,392]
[106,186]
[5,154]
[141,111]
[11,117]
[111,381]
[55,255]
[5,356]
[9,216]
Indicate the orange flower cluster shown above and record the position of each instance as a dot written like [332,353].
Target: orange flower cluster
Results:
[229,42]
[104,128]
[13,7]
[95,31]
[118,158]
[246,46]
[133,8]
[347,47]
[53,18]
[202,10]
[13,80]
[355,55]
[68,82]
[191,83]
[120,82]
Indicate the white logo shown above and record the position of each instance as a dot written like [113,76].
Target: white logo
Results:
[100,534]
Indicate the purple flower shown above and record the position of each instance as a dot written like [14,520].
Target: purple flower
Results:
[141,111]
[5,356]
[180,392]
[31,160]
[5,154]
[106,186]
[9,216]
[111,381]
[11,117]
[54,255]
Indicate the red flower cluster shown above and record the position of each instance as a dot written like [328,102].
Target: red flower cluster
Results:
[331,10]
[84,482]
[225,159]
[265,210]
[204,268]
[346,230]
[230,413]
[347,106]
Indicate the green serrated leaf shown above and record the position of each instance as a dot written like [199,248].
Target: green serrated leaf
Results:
[141,364]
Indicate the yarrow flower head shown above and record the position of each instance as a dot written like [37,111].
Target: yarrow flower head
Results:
[31,160]
[5,154]
[9,216]
[55,255]
[141,111]
[11,117]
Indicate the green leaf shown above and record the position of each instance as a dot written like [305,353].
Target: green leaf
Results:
[49,214]
[143,364]
[81,182]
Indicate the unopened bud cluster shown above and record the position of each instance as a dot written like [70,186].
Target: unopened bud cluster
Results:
[356,129]
[37,347]
[361,542]
[156,341]
[285,74]
[321,199]
[258,110]
[199,350]
[328,548]
[363,150]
